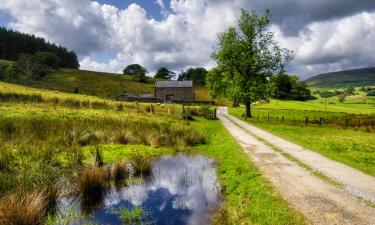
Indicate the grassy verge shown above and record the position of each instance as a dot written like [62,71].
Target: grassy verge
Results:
[355,148]
[250,199]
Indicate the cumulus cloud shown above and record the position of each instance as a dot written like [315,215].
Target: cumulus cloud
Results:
[326,35]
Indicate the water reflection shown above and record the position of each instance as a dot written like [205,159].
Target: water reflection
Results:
[183,190]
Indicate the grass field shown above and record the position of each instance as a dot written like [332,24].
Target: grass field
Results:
[45,141]
[352,146]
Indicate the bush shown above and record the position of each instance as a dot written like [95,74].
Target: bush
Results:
[91,187]
[371,93]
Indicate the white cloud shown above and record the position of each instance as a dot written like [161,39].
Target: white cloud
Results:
[330,38]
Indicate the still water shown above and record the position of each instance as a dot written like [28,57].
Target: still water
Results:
[183,190]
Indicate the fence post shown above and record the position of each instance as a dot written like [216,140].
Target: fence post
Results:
[320,122]
[214,113]
[307,120]
[283,119]
[258,117]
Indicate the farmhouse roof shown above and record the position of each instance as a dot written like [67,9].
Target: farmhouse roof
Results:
[174,84]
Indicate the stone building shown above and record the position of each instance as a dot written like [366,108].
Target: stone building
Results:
[171,91]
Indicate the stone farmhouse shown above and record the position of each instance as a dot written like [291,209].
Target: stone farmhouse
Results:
[167,92]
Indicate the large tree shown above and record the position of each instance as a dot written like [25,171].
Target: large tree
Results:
[164,73]
[137,71]
[246,58]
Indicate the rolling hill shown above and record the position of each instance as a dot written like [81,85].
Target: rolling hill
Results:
[355,78]
[103,85]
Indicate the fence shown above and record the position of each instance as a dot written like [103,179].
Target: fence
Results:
[348,121]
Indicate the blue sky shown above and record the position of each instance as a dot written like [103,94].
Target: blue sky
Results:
[152,8]
[107,35]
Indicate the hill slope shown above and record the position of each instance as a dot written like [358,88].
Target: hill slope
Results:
[104,85]
[356,78]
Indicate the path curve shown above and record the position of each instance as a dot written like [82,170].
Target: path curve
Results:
[320,202]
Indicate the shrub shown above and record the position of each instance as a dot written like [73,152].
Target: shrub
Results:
[91,187]
[119,171]
[142,165]
[371,93]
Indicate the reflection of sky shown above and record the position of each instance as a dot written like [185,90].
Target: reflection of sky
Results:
[184,190]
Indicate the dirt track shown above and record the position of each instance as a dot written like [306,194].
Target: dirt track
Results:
[320,202]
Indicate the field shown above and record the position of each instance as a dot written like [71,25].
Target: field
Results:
[49,137]
[345,133]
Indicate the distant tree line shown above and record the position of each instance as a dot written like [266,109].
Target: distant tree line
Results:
[13,44]
[138,72]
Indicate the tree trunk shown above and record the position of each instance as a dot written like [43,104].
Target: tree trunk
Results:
[235,103]
[248,109]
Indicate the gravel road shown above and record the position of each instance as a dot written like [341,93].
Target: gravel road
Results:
[319,201]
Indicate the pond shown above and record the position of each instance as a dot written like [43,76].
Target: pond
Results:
[183,189]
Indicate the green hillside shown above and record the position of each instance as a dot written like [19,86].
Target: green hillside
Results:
[355,78]
[104,85]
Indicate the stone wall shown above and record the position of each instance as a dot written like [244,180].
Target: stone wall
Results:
[177,93]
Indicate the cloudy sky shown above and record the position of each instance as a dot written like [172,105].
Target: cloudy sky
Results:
[327,35]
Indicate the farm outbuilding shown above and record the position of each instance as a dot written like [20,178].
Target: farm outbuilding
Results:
[170,91]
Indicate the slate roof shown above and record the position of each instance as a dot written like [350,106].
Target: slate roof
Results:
[174,84]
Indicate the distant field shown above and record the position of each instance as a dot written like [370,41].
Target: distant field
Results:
[352,146]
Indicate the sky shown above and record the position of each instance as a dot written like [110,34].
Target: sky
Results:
[107,35]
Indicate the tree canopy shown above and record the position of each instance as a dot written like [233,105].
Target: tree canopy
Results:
[289,87]
[246,58]
[13,44]
[164,73]
[197,75]
[137,71]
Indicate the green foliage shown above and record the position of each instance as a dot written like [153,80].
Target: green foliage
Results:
[48,58]
[371,93]
[247,57]
[14,43]
[289,87]
[6,70]
[164,73]
[327,94]
[198,75]
[30,67]
[137,71]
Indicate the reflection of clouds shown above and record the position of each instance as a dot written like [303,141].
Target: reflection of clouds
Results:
[190,179]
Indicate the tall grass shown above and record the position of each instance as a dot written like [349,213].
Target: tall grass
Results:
[91,187]
[23,208]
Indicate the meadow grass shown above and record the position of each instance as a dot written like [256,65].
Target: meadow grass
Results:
[353,147]
[249,198]
[46,141]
